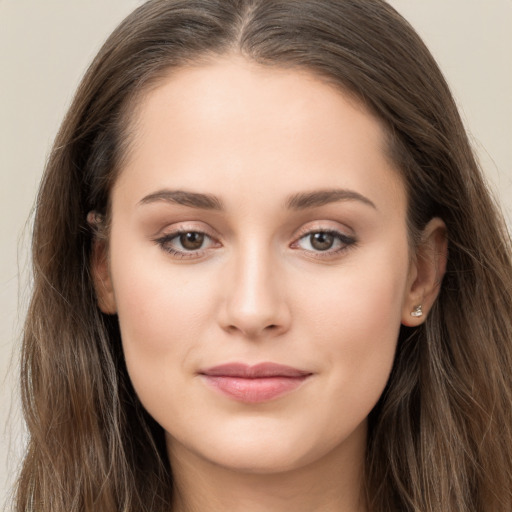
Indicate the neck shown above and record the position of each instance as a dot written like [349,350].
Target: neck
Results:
[332,483]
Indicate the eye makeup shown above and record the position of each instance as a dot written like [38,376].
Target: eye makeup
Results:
[324,241]
[191,243]
[186,243]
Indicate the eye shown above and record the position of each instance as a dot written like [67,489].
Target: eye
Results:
[324,241]
[185,243]
[191,241]
[321,241]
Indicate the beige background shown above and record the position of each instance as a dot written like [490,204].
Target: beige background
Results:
[45,46]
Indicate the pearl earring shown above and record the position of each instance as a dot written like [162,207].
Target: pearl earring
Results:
[417,311]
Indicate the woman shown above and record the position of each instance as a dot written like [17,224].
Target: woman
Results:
[268,275]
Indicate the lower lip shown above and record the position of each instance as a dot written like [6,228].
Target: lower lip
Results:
[255,390]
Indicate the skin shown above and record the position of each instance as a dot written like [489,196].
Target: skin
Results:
[259,289]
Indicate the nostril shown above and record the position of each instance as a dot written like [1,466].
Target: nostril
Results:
[248,331]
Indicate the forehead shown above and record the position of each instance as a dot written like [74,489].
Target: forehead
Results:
[233,122]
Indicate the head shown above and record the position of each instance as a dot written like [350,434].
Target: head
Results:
[364,59]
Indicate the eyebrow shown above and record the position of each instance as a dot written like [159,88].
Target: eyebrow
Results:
[316,198]
[299,201]
[184,198]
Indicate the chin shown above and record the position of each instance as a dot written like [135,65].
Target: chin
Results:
[267,451]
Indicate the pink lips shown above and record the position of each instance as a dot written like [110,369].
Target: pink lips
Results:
[254,384]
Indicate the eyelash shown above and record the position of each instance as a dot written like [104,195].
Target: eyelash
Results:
[343,239]
[164,243]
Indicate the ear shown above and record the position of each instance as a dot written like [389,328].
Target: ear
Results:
[426,273]
[101,277]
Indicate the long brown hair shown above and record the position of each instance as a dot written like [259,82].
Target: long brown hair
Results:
[440,438]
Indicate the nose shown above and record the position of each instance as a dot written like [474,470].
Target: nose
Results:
[255,302]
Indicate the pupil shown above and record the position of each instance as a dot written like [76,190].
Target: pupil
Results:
[322,241]
[192,241]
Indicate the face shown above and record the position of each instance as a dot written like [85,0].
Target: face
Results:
[259,265]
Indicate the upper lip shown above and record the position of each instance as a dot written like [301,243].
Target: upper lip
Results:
[260,370]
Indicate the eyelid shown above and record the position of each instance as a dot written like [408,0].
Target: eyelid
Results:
[324,226]
[170,233]
[185,227]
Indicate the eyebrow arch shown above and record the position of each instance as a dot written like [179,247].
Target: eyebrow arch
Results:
[184,198]
[304,200]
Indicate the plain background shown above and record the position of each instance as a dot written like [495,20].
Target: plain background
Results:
[45,46]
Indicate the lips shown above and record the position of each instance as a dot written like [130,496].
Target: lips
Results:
[254,384]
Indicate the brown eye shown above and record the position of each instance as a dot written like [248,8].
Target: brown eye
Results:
[187,244]
[328,242]
[192,241]
[321,241]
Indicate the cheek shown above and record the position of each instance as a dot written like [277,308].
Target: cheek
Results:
[162,316]
[153,309]
[355,321]
[364,297]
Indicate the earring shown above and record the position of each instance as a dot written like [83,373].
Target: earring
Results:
[417,311]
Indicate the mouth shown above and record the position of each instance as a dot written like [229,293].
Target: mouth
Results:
[254,384]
